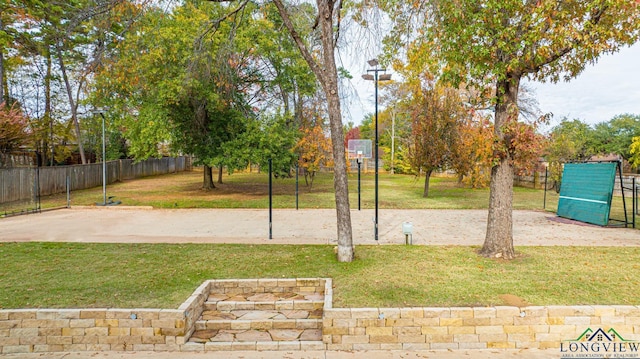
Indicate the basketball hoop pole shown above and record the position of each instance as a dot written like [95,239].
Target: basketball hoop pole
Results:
[359,161]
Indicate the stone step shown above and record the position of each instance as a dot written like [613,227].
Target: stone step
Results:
[262,327]
[266,297]
[229,305]
[259,324]
[262,346]
[261,314]
[253,335]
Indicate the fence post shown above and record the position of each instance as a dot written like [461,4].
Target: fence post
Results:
[68,192]
[634,200]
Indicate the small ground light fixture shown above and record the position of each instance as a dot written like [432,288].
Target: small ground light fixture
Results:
[407,230]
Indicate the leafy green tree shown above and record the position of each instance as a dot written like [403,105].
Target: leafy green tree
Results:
[182,79]
[616,136]
[495,43]
[286,77]
[568,141]
[59,45]
[267,137]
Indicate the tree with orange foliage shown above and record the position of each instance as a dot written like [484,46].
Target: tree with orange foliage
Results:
[314,148]
[434,135]
[472,157]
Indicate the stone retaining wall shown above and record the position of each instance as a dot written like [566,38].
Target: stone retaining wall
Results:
[472,328]
[242,286]
[53,330]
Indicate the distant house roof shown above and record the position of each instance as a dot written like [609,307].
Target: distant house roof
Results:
[609,157]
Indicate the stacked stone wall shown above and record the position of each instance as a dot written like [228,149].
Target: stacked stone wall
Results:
[542,327]
[56,330]
[51,330]
[472,328]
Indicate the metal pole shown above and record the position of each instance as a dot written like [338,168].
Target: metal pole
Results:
[393,137]
[104,163]
[634,201]
[636,196]
[38,164]
[358,160]
[53,153]
[68,193]
[297,170]
[624,202]
[376,161]
[270,200]
[546,175]
[376,78]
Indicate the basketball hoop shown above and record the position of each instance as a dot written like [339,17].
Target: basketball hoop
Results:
[359,149]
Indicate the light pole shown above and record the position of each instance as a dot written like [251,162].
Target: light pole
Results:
[375,78]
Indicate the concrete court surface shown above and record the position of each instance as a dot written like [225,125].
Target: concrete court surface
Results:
[370,354]
[309,226]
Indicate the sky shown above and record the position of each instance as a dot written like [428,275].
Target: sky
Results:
[603,90]
[608,88]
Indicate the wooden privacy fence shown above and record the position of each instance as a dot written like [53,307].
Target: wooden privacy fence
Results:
[18,184]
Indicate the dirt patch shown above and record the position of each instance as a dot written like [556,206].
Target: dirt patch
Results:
[514,300]
[569,221]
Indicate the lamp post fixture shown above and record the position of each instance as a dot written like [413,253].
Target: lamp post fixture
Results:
[375,78]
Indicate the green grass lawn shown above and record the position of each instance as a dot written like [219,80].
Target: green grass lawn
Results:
[160,275]
[72,275]
[250,190]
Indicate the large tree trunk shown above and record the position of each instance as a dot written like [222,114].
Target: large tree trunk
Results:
[207,182]
[2,76]
[425,194]
[340,179]
[47,102]
[498,242]
[2,79]
[327,74]
[220,170]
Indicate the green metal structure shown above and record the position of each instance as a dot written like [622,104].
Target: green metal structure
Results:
[586,192]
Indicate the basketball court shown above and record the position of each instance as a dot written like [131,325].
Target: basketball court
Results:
[311,226]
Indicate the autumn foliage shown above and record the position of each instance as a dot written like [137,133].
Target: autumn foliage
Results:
[14,128]
[314,148]
[434,136]
[474,153]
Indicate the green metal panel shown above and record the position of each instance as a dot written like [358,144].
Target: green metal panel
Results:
[586,191]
